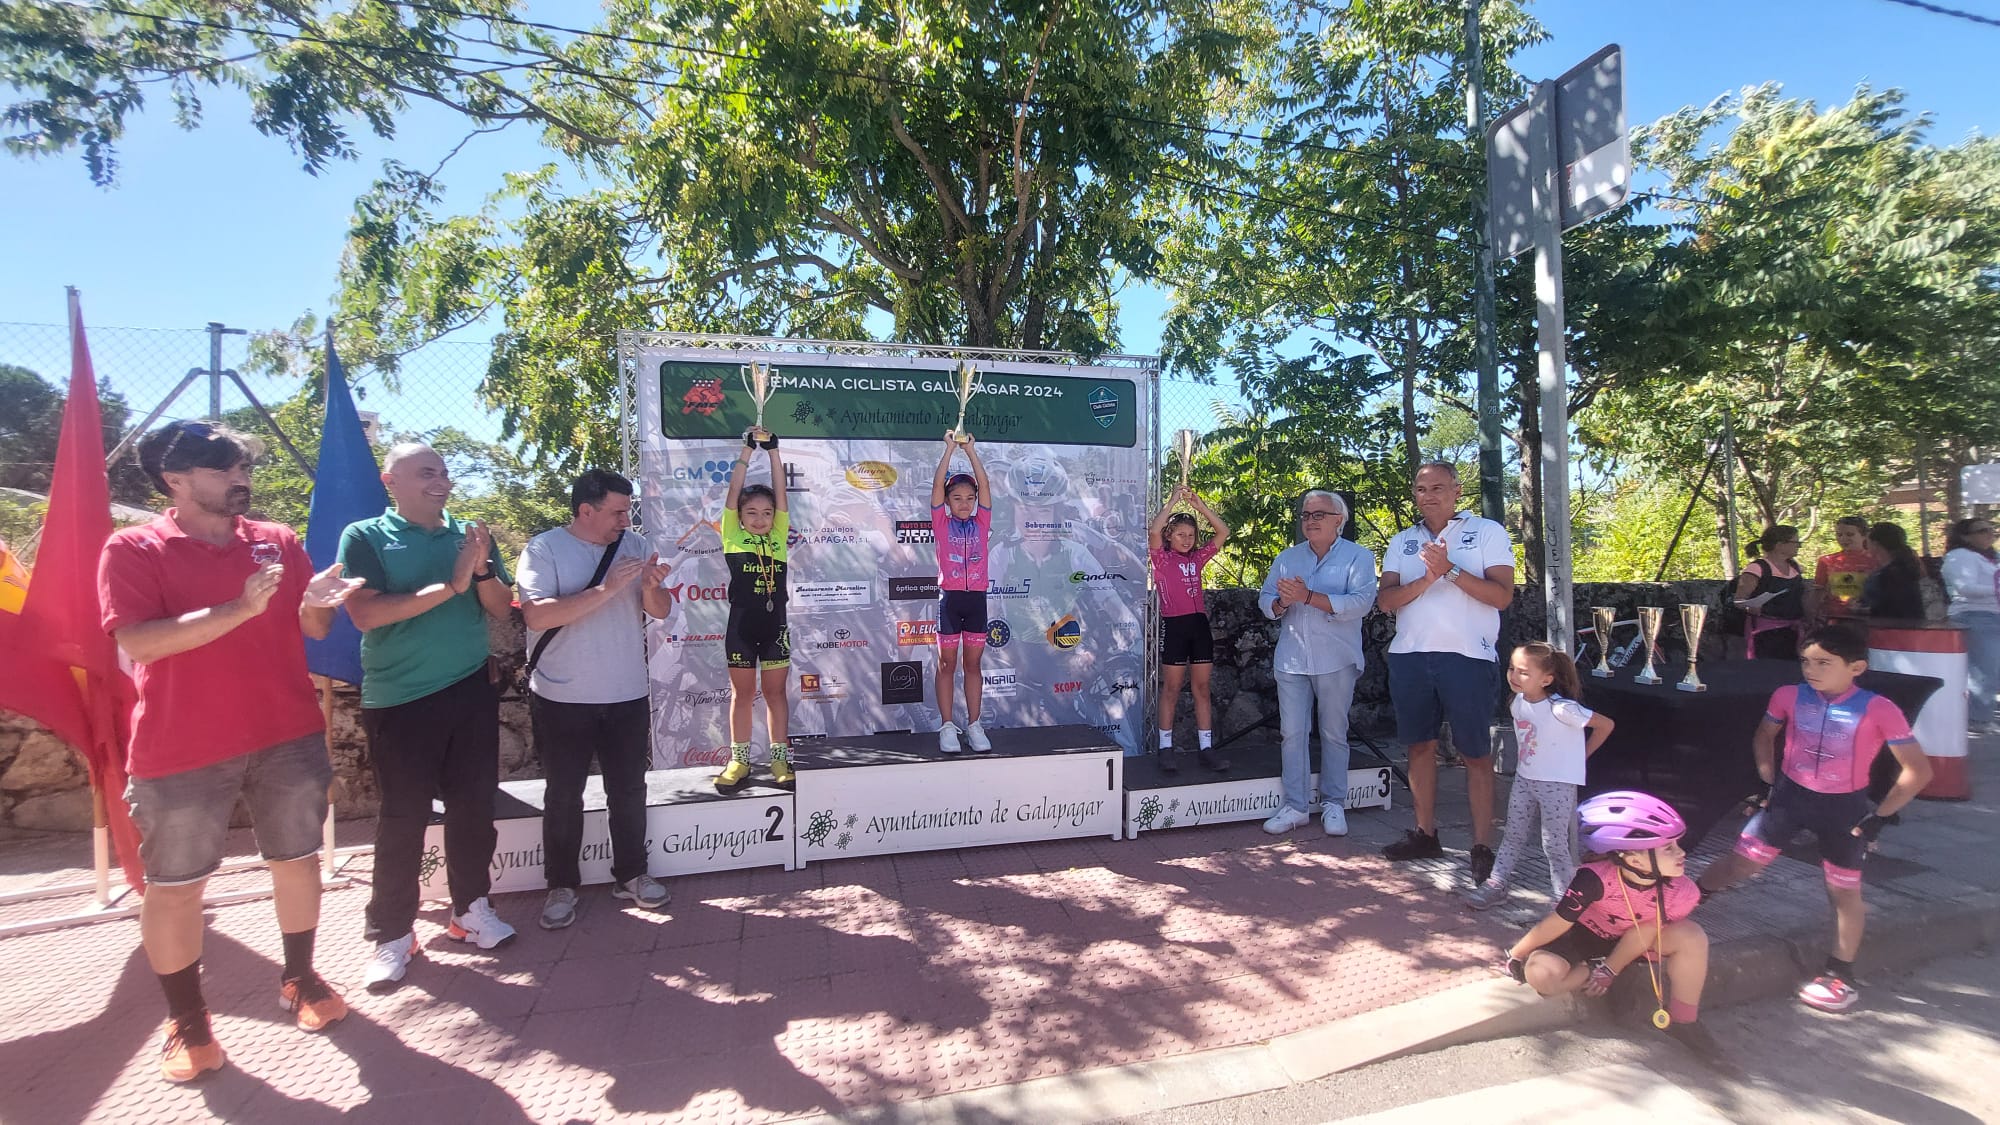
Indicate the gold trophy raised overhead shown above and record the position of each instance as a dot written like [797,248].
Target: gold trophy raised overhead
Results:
[967,387]
[1184,447]
[1693,617]
[1649,628]
[1605,618]
[757,384]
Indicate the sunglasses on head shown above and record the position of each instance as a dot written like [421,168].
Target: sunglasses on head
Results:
[202,430]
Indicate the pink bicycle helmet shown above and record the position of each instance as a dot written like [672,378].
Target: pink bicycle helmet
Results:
[1627,821]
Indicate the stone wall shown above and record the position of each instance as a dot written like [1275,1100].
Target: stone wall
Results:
[43,784]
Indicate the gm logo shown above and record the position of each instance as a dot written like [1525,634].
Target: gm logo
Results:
[997,633]
[1066,633]
[713,472]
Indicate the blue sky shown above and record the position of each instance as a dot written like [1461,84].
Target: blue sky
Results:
[221,224]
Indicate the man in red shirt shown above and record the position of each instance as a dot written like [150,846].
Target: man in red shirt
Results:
[213,609]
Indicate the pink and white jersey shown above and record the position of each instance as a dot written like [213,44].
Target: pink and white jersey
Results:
[961,547]
[1830,743]
[1178,577]
[1595,901]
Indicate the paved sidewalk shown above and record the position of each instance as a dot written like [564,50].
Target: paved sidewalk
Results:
[868,982]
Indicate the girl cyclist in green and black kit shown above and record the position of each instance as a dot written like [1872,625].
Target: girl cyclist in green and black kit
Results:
[754,529]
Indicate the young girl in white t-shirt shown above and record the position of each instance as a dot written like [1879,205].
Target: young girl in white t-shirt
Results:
[1555,734]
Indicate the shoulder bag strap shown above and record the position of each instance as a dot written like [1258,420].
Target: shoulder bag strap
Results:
[542,642]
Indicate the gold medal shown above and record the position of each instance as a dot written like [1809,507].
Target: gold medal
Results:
[1661,1019]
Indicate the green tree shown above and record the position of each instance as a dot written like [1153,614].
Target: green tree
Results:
[31,411]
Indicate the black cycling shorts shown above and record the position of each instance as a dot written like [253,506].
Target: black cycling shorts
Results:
[757,636]
[1186,639]
[1830,817]
[962,618]
[1579,944]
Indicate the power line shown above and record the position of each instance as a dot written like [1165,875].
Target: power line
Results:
[1955,13]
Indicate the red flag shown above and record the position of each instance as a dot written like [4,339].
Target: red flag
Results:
[63,667]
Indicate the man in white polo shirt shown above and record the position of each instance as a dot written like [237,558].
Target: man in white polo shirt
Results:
[1446,580]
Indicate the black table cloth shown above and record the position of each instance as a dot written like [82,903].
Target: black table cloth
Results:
[1692,749]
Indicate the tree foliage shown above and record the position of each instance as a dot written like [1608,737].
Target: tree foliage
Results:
[31,412]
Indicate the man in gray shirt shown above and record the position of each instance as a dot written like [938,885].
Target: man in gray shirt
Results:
[587,691]
[1318,591]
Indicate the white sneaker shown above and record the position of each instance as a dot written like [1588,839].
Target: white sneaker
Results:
[948,739]
[1286,820]
[391,959]
[1334,818]
[975,737]
[644,890]
[480,926]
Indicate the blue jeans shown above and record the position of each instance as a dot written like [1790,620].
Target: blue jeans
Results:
[1982,665]
[1296,693]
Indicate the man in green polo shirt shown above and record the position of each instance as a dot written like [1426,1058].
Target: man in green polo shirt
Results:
[428,706]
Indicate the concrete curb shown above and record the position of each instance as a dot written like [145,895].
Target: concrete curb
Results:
[1740,971]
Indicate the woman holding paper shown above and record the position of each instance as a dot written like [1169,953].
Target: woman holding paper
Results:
[1771,591]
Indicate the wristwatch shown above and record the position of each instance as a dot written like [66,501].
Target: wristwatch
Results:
[1452,574]
[482,577]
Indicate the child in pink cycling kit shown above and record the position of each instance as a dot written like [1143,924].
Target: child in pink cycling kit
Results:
[1833,731]
[1187,647]
[961,522]
[1631,905]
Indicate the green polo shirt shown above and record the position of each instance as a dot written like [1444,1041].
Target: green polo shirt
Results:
[438,647]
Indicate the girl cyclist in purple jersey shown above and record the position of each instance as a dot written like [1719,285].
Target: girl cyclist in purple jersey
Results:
[1187,647]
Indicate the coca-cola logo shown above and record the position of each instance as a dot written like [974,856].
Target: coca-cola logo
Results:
[714,756]
[695,593]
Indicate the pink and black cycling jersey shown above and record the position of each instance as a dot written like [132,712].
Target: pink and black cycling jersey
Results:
[1178,577]
[961,547]
[1830,743]
[1594,901]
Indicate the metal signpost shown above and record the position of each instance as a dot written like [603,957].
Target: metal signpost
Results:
[1559,160]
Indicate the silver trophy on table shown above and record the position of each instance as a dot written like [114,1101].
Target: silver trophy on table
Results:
[1605,618]
[1693,617]
[1649,629]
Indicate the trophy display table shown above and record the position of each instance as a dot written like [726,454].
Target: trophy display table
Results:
[1930,648]
[1692,749]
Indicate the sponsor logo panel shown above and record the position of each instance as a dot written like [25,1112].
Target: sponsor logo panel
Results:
[1066,633]
[1000,685]
[902,682]
[998,634]
[871,476]
[916,632]
[914,532]
[840,637]
[810,596]
[913,589]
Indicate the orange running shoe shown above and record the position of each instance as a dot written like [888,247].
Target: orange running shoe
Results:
[182,1061]
[314,1004]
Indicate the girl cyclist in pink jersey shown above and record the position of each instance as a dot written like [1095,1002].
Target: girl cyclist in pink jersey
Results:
[1632,903]
[1187,648]
[961,521]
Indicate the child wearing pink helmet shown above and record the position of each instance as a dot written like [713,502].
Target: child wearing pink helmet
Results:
[1631,903]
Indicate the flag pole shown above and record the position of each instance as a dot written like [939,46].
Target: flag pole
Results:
[100,815]
[326,864]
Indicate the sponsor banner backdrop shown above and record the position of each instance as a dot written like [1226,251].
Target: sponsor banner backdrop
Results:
[861,437]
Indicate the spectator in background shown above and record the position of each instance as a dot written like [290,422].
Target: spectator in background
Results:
[1772,591]
[1971,569]
[1895,588]
[1836,588]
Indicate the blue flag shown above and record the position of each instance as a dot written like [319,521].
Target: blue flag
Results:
[346,487]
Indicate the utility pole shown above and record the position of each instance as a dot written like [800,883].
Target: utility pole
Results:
[215,334]
[1485,326]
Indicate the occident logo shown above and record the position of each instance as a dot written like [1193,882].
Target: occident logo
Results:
[1067,687]
[914,532]
[1103,406]
[913,589]
[916,632]
[1083,578]
[1066,633]
[694,593]
[902,682]
[871,476]
[842,637]
[997,633]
